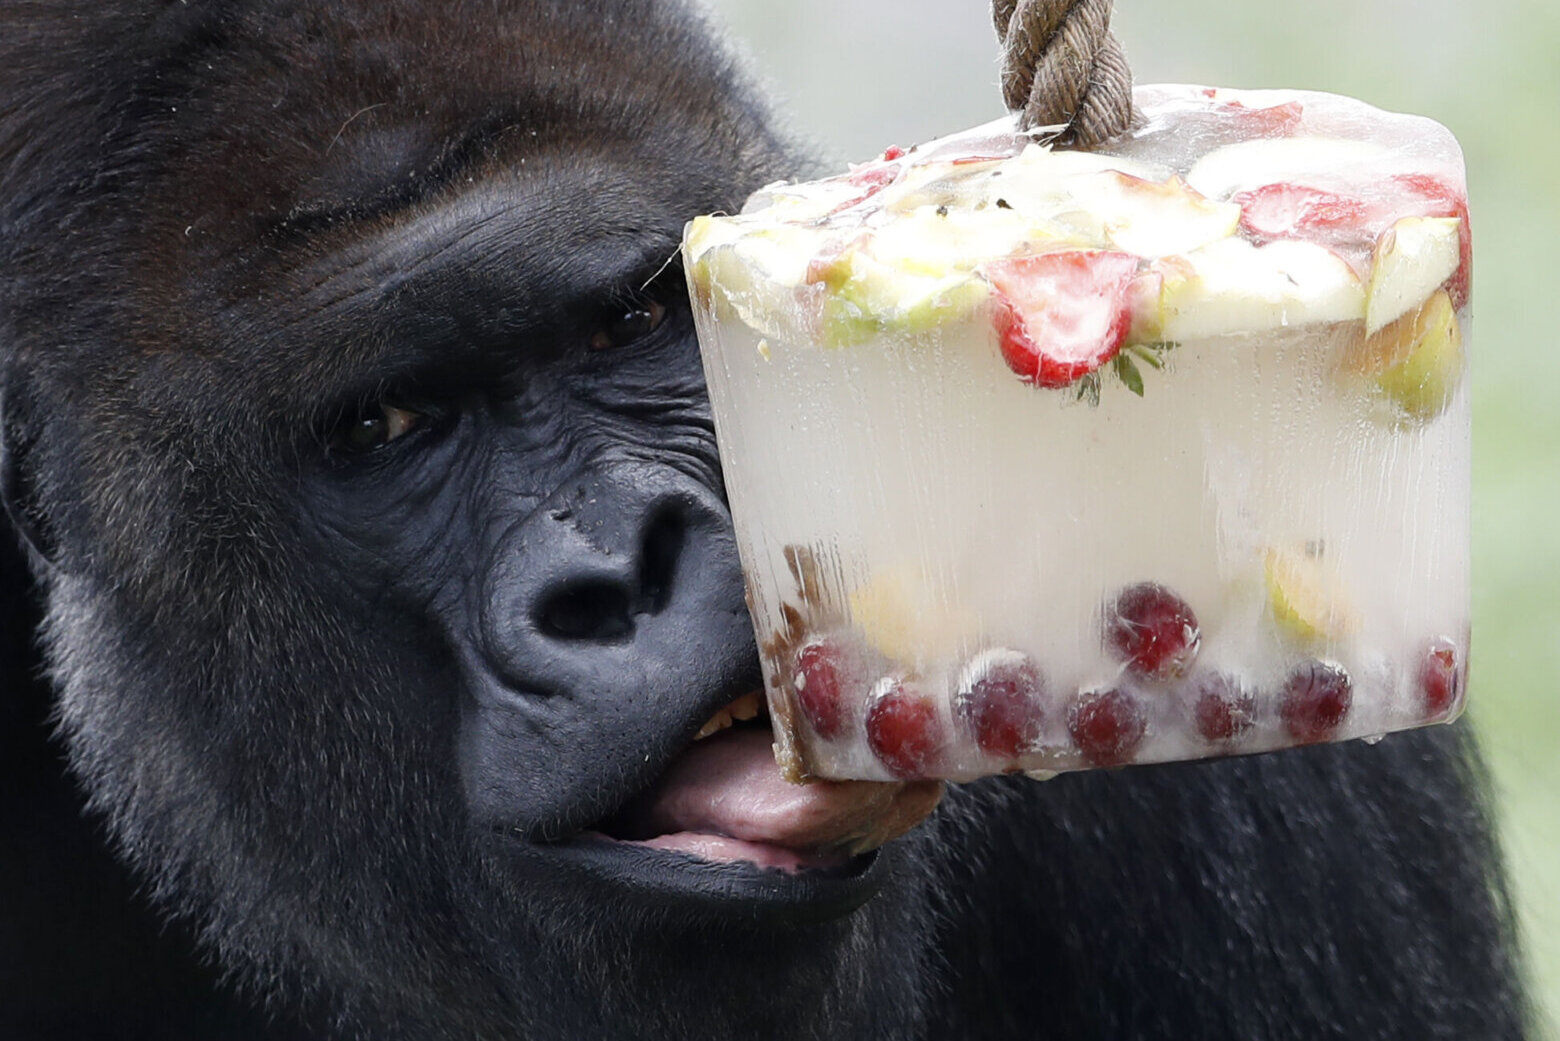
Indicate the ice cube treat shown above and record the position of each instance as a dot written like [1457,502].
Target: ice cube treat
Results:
[1046,460]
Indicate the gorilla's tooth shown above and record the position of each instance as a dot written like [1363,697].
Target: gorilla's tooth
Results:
[745,707]
[718,722]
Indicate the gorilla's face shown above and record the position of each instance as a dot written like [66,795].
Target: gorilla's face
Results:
[354,411]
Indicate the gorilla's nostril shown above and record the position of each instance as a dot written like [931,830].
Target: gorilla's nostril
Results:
[588,609]
[658,555]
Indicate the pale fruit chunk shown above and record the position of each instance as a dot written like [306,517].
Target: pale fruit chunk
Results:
[1232,286]
[897,613]
[864,296]
[1153,218]
[934,243]
[1412,259]
[1428,365]
[755,271]
[1306,597]
[1320,161]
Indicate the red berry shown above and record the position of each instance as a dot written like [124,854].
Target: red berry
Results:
[903,730]
[1059,316]
[1002,702]
[1151,629]
[1224,708]
[1107,726]
[1440,678]
[822,670]
[1317,696]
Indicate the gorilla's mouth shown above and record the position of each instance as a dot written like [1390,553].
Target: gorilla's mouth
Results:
[723,800]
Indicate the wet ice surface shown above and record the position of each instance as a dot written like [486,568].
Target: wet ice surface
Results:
[950,551]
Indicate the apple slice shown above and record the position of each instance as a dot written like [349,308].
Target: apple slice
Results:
[757,272]
[863,295]
[1232,286]
[1306,597]
[1316,161]
[1412,259]
[1417,361]
[1153,218]
[901,617]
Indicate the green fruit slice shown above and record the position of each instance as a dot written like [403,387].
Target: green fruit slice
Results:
[1305,598]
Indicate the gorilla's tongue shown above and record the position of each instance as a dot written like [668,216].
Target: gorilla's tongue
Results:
[724,799]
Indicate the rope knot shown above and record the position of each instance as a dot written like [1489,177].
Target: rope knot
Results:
[1061,67]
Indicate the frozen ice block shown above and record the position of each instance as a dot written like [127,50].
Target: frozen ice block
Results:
[1044,460]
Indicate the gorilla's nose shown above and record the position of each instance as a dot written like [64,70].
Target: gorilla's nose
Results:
[604,598]
[626,578]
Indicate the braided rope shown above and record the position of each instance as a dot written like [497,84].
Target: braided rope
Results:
[1061,67]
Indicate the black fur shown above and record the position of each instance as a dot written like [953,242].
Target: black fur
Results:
[225,226]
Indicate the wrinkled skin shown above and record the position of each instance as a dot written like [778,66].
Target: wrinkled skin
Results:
[351,705]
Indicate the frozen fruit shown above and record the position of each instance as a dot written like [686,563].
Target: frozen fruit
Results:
[755,272]
[903,619]
[1248,165]
[1233,286]
[1412,259]
[1001,700]
[1426,355]
[823,675]
[1153,218]
[1153,630]
[904,730]
[1306,597]
[1430,196]
[1281,211]
[864,296]
[1222,706]
[984,546]
[1316,699]
[1060,316]
[1107,726]
[1440,678]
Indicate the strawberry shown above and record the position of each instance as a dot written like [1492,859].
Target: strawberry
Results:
[1277,211]
[1060,316]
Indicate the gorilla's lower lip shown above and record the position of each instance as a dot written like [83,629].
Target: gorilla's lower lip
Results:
[682,880]
[722,849]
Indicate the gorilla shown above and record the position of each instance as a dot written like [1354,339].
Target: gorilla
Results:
[368,580]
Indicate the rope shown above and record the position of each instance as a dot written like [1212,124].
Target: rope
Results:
[1061,68]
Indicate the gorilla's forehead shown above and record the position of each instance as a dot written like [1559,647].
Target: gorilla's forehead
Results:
[261,150]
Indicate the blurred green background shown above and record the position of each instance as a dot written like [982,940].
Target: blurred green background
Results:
[856,75]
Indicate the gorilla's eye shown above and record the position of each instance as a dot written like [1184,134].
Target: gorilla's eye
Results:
[637,320]
[371,427]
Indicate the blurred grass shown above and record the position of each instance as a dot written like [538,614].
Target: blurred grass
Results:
[867,73]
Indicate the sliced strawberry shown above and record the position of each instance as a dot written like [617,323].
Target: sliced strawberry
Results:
[1272,121]
[1059,316]
[1278,211]
[1229,122]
